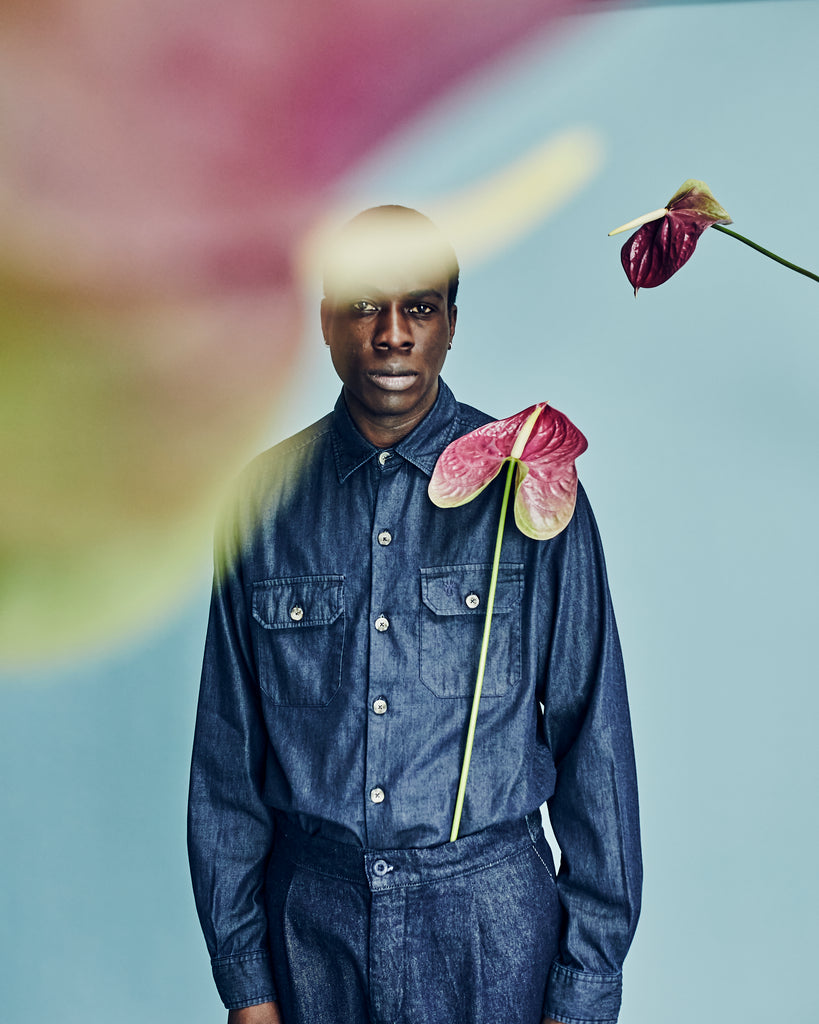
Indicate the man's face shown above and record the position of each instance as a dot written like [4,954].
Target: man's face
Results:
[388,343]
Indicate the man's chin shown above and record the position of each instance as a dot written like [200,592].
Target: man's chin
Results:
[391,400]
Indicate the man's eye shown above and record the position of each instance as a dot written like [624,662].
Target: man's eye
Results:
[364,306]
[422,309]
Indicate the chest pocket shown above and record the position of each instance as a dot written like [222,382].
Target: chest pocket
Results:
[453,612]
[299,638]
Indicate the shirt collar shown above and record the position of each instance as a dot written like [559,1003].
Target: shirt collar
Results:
[421,446]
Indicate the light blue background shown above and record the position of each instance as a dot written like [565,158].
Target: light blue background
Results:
[699,403]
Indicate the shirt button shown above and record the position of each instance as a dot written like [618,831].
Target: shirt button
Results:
[384,538]
[377,795]
[380,706]
[296,613]
[383,456]
[381,868]
[472,600]
[382,623]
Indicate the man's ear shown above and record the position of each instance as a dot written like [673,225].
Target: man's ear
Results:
[326,319]
[453,316]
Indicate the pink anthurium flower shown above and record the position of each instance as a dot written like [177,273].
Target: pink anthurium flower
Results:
[539,445]
[541,442]
[666,238]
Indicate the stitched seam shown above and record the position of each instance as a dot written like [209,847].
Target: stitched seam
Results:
[310,441]
[543,862]
[238,958]
[582,1020]
[268,997]
[595,979]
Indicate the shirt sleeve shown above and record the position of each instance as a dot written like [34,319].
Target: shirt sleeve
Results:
[230,829]
[594,807]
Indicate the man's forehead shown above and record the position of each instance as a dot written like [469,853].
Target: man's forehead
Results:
[395,287]
[391,257]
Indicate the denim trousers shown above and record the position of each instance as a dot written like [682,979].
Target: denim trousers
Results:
[462,932]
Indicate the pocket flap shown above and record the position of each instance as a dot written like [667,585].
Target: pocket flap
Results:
[298,602]
[464,589]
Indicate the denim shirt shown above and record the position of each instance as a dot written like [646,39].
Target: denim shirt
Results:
[340,660]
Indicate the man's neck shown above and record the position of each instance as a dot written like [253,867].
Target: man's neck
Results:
[385,431]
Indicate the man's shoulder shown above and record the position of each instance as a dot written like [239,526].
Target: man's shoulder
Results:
[282,462]
[469,418]
[294,447]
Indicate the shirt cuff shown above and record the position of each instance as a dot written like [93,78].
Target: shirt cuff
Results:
[579,997]
[244,979]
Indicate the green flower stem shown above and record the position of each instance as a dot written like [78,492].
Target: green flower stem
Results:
[476,697]
[765,252]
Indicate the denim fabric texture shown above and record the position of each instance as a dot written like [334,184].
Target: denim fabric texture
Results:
[339,666]
[461,932]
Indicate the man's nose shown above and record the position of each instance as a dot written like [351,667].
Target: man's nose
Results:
[393,328]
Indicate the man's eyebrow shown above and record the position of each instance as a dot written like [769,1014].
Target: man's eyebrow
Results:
[422,293]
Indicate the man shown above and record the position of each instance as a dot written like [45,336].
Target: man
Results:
[339,666]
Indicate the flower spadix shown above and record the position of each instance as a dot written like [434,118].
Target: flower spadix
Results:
[542,442]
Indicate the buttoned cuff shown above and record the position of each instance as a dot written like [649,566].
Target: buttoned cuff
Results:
[244,979]
[579,997]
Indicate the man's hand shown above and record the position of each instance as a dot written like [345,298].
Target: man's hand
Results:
[549,1020]
[261,1013]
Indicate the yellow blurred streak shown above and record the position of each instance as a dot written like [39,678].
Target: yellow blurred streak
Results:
[484,218]
[490,215]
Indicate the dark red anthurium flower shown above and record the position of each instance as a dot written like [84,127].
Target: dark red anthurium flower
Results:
[666,238]
[542,441]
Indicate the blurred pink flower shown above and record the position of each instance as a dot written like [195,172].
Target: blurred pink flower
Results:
[160,163]
[188,144]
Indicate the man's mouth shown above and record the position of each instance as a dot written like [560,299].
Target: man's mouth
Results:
[393,381]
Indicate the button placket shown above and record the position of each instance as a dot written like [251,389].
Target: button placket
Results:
[386,637]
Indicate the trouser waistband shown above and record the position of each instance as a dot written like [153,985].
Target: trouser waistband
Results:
[388,869]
